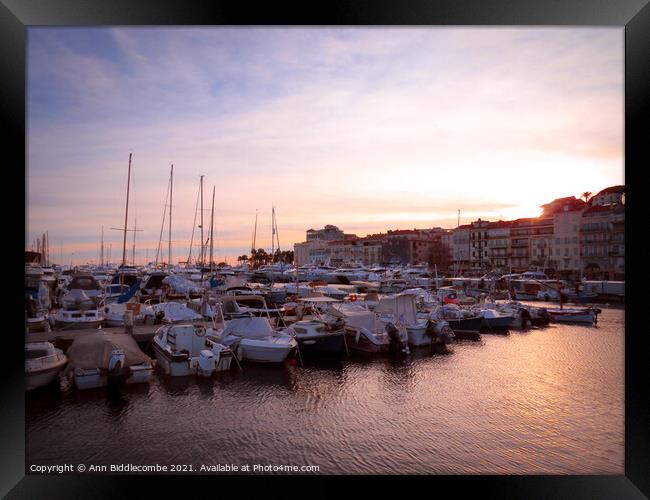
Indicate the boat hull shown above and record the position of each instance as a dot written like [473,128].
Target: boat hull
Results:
[263,352]
[586,318]
[323,344]
[360,342]
[501,323]
[418,337]
[184,366]
[465,324]
[91,379]
[40,378]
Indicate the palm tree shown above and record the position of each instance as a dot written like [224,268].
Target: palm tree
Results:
[586,195]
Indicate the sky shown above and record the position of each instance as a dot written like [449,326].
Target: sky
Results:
[368,129]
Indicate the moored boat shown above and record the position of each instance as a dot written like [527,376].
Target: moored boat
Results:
[43,362]
[101,358]
[315,336]
[254,339]
[587,315]
[186,349]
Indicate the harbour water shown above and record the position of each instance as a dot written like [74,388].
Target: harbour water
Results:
[542,401]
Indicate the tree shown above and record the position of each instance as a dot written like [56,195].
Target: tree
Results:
[587,196]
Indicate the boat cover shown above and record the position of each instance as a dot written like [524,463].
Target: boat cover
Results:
[250,328]
[180,284]
[400,306]
[77,297]
[355,316]
[175,311]
[94,351]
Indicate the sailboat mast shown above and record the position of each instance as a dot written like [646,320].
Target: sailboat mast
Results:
[277,236]
[126,214]
[255,231]
[196,206]
[101,252]
[212,233]
[272,234]
[135,228]
[162,226]
[202,241]
[171,188]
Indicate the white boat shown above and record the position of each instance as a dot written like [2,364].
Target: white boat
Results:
[79,312]
[364,332]
[316,336]
[588,315]
[114,313]
[100,358]
[254,339]
[185,349]
[87,283]
[43,362]
[401,311]
[171,312]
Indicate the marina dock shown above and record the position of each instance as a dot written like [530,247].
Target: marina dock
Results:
[141,333]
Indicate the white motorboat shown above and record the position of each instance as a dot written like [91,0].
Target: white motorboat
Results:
[79,312]
[316,336]
[185,349]
[43,362]
[101,358]
[364,332]
[254,339]
[114,313]
[39,323]
[401,311]
[171,312]
[588,315]
[87,283]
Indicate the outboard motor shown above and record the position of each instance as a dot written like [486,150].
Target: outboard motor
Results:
[396,344]
[544,318]
[445,333]
[440,331]
[525,317]
[117,369]
[158,319]
[207,363]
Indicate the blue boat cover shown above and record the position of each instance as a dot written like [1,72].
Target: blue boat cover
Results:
[127,295]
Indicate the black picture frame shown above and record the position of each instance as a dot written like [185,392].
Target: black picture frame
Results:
[632,15]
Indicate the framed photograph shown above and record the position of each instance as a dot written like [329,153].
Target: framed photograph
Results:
[387,243]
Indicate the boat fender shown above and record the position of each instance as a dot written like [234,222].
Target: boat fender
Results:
[353,298]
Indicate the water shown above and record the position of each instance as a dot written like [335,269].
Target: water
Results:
[544,401]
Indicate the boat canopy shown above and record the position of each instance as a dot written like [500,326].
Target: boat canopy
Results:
[94,351]
[355,316]
[250,328]
[401,306]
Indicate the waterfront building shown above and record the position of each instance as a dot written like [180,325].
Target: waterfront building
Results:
[609,196]
[461,248]
[478,257]
[602,239]
[567,216]
[498,245]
